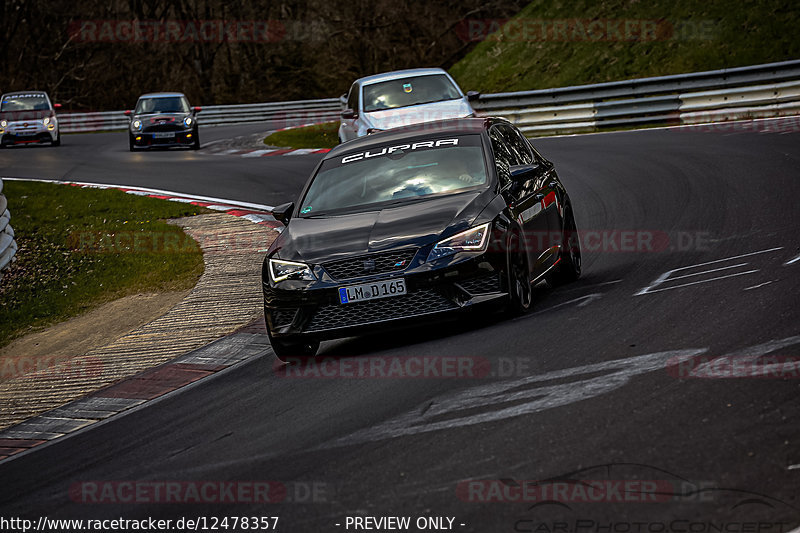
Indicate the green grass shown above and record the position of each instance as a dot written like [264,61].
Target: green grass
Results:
[316,136]
[713,34]
[79,248]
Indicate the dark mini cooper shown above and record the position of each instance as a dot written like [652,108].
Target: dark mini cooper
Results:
[417,223]
[163,119]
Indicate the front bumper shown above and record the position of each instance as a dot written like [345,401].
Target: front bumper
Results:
[33,133]
[166,139]
[313,310]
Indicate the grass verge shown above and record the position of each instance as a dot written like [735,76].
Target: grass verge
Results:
[315,136]
[82,247]
[676,36]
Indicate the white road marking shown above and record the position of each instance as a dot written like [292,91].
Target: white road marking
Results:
[794,467]
[793,260]
[585,300]
[665,277]
[499,400]
[748,356]
[196,197]
[757,286]
[257,153]
[457,409]
[697,282]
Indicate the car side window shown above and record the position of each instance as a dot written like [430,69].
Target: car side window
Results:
[503,157]
[518,145]
[352,98]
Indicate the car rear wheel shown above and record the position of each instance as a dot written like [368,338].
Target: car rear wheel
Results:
[285,349]
[570,254]
[519,280]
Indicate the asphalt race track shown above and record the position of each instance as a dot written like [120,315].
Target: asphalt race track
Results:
[690,254]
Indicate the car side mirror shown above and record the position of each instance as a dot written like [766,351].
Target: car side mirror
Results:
[283,212]
[473,96]
[128,112]
[348,114]
[56,106]
[522,173]
[197,109]
[343,100]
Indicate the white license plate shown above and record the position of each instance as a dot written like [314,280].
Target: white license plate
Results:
[372,291]
[167,135]
[25,132]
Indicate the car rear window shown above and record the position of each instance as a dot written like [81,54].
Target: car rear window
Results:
[410,91]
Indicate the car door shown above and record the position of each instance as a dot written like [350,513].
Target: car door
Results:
[524,196]
[348,128]
[545,188]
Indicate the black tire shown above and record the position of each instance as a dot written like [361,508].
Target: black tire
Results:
[285,349]
[57,142]
[131,146]
[196,143]
[569,268]
[520,291]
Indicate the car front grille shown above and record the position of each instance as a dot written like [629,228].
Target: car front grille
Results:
[371,264]
[481,285]
[346,315]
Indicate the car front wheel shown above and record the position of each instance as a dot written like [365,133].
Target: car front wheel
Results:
[519,281]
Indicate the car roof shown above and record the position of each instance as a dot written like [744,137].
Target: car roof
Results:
[446,127]
[160,95]
[398,74]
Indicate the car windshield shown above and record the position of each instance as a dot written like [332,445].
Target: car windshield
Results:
[25,102]
[395,174]
[410,91]
[162,104]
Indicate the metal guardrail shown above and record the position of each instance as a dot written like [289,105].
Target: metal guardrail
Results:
[757,91]
[292,113]
[8,246]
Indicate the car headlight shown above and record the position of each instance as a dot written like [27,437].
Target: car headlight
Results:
[281,270]
[187,121]
[3,123]
[46,121]
[472,240]
[136,124]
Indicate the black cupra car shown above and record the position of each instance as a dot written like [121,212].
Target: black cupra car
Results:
[163,120]
[416,223]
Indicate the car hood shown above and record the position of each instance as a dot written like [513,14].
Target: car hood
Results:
[317,240]
[19,116]
[406,116]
